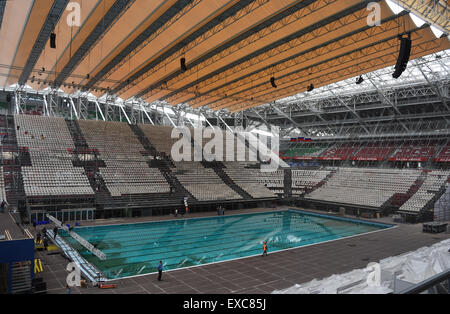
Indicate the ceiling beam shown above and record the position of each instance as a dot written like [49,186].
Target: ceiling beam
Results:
[51,21]
[149,31]
[113,13]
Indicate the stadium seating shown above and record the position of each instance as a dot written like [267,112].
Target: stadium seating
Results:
[126,169]
[305,151]
[366,187]
[160,137]
[272,180]
[304,180]
[413,152]
[444,155]
[52,172]
[342,152]
[433,183]
[203,183]
[247,179]
[373,152]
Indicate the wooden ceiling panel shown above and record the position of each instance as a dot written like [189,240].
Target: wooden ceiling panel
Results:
[311,15]
[188,23]
[232,48]
[230,30]
[133,22]
[11,31]
[64,33]
[31,32]
[329,52]
[353,69]
[95,17]
[329,33]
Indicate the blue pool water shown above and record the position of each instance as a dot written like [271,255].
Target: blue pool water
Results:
[136,249]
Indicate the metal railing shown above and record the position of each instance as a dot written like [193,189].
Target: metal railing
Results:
[438,284]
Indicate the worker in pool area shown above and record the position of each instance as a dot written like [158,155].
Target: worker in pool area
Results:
[265,249]
[160,270]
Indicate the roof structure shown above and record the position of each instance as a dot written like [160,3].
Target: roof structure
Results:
[215,55]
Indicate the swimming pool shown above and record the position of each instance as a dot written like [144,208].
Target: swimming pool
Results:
[136,249]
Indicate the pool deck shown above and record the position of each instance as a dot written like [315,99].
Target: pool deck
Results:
[256,275]
[8,227]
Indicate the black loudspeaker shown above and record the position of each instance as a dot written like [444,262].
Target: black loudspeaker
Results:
[183,64]
[272,81]
[53,40]
[403,58]
[310,88]
[8,98]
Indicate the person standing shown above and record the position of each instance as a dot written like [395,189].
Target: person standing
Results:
[45,242]
[265,249]
[160,270]
[55,232]
[2,207]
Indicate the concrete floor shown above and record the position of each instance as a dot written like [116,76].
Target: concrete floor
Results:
[256,275]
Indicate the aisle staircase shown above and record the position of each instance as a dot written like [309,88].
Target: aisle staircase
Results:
[91,167]
[12,168]
[164,164]
[288,183]
[218,167]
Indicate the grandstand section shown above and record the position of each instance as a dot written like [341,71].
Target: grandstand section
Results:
[342,152]
[444,155]
[305,181]
[411,152]
[247,180]
[131,166]
[304,152]
[373,152]
[202,182]
[51,172]
[126,171]
[365,187]
[423,198]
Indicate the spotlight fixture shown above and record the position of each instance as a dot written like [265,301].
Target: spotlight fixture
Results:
[272,82]
[359,80]
[403,57]
[53,40]
[88,76]
[310,88]
[183,64]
